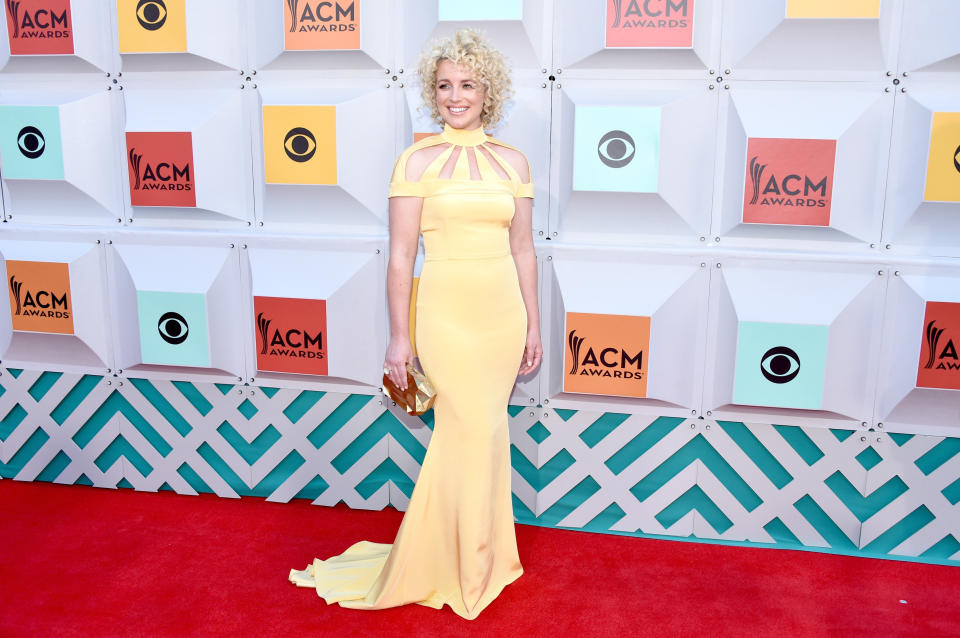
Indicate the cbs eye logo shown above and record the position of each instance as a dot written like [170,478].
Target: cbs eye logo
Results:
[173,328]
[151,14]
[31,142]
[299,144]
[956,159]
[780,365]
[616,149]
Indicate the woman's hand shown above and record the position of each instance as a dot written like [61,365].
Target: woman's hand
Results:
[532,353]
[399,354]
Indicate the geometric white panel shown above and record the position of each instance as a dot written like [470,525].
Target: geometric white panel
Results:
[668,290]
[212,37]
[346,277]
[902,404]
[84,345]
[918,220]
[267,33]
[856,120]
[929,37]
[666,47]
[849,40]
[355,201]
[149,279]
[663,140]
[219,154]
[86,190]
[825,318]
[89,23]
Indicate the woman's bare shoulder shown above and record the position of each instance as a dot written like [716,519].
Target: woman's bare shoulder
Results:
[514,157]
[418,156]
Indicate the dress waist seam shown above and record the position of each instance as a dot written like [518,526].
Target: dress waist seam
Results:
[467,257]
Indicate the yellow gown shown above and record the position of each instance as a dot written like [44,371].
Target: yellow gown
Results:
[456,544]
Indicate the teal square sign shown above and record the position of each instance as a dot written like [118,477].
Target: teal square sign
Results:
[30,144]
[466,10]
[780,365]
[616,148]
[173,328]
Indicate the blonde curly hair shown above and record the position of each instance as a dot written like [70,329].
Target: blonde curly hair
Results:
[467,48]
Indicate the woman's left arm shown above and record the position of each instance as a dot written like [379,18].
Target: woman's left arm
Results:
[525,258]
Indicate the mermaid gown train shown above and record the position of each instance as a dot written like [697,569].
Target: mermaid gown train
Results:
[456,544]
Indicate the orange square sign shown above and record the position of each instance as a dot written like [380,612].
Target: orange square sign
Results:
[607,354]
[649,24]
[291,335]
[161,170]
[789,181]
[40,296]
[39,27]
[939,365]
[311,25]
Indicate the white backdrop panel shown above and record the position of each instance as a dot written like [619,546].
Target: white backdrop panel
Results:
[773,117]
[643,194]
[824,316]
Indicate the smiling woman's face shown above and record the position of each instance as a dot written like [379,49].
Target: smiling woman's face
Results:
[459,96]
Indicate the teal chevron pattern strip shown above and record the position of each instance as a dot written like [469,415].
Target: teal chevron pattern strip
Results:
[779,485]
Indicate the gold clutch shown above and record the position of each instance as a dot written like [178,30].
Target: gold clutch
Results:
[419,395]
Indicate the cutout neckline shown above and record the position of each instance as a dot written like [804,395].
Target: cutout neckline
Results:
[462,137]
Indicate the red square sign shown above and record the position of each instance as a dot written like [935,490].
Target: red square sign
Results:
[160,165]
[789,181]
[291,335]
[39,27]
[939,365]
[649,23]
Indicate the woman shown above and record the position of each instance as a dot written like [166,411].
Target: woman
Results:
[477,324]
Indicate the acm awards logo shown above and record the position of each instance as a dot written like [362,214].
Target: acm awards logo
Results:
[616,149]
[39,26]
[939,357]
[299,144]
[31,142]
[151,14]
[649,23]
[607,354]
[161,170]
[294,342]
[160,176]
[787,190]
[291,335]
[49,21]
[789,181]
[612,362]
[40,299]
[312,25]
[947,359]
[780,365]
[322,16]
[38,303]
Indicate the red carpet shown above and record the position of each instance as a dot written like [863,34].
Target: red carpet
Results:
[79,561]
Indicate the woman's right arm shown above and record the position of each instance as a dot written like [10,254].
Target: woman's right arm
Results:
[404,236]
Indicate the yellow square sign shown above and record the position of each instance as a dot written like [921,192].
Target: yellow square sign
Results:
[152,26]
[300,144]
[833,8]
[943,165]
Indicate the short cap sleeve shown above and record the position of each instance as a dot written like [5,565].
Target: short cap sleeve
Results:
[525,189]
[399,186]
